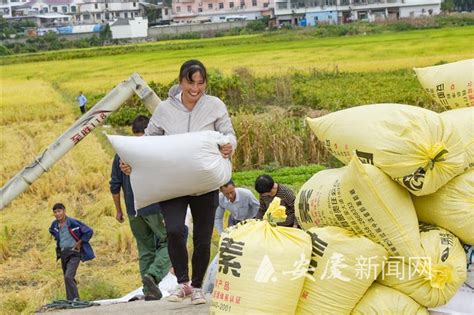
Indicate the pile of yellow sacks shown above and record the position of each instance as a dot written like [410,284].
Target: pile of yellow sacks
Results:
[383,234]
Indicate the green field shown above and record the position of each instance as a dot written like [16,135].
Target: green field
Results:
[267,55]
[289,77]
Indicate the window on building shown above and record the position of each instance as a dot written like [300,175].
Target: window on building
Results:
[125,15]
[315,18]
[178,9]
[64,9]
[134,4]
[96,5]
[265,5]
[199,10]
[166,11]
[329,17]
[87,17]
[73,9]
[106,5]
[55,9]
[45,10]
[282,5]
[189,8]
[221,5]
[231,5]
[97,16]
[209,6]
[254,3]
[242,4]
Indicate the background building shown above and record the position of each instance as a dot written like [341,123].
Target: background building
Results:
[312,12]
[201,11]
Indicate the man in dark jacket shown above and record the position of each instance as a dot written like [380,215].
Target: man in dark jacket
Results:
[72,246]
[146,224]
[268,190]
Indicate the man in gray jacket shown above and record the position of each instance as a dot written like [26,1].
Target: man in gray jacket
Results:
[240,202]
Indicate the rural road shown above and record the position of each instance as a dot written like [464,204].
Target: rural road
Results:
[141,307]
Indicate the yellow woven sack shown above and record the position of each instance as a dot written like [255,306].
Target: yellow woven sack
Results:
[432,278]
[363,199]
[463,120]
[451,207]
[412,145]
[262,267]
[343,266]
[451,84]
[380,299]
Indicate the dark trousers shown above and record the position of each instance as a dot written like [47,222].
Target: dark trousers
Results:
[203,210]
[83,109]
[70,260]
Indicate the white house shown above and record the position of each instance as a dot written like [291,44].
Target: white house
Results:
[129,28]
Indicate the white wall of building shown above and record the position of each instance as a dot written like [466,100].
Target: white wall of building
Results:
[419,10]
[136,28]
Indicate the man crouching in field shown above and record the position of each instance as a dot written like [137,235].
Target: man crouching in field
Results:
[146,224]
[72,245]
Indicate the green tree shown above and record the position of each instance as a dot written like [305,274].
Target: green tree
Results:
[4,50]
[464,5]
[447,6]
[105,33]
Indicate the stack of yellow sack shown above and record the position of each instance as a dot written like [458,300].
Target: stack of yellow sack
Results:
[339,275]
[395,153]
[450,85]
[262,266]
[434,277]
[361,198]
[380,299]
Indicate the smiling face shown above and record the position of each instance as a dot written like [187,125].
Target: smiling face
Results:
[59,214]
[192,89]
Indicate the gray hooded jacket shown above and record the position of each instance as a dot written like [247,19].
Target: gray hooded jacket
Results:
[172,117]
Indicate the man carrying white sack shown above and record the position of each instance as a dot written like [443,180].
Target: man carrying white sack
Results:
[189,109]
[147,225]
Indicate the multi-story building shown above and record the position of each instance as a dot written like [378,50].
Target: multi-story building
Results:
[219,10]
[312,12]
[8,6]
[97,11]
[78,11]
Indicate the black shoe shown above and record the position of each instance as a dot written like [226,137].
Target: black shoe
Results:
[151,288]
[151,298]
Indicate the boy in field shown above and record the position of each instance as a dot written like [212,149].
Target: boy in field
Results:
[72,246]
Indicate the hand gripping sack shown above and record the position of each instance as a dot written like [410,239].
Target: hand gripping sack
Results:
[432,278]
[342,268]
[463,120]
[451,84]
[380,299]
[261,269]
[451,207]
[412,145]
[363,199]
[166,167]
